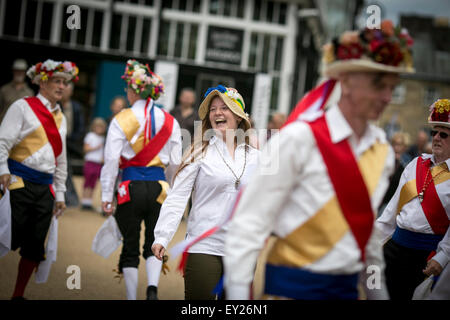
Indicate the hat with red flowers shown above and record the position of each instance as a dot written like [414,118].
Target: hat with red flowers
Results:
[387,49]
[43,71]
[440,113]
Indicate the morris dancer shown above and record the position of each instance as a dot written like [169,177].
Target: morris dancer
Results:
[144,140]
[333,171]
[415,223]
[33,161]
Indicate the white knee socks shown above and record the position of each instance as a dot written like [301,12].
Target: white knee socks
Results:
[131,282]
[153,266]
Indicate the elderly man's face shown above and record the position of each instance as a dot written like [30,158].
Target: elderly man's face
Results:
[441,145]
[369,93]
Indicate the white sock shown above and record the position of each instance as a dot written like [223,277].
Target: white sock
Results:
[86,202]
[153,266]
[131,282]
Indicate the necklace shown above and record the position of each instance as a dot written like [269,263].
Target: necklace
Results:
[427,183]
[238,180]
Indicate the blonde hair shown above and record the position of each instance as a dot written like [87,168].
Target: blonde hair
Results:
[96,122]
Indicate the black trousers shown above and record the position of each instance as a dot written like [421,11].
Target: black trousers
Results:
[403,269]
[202,274]
[31,213]
[129,216]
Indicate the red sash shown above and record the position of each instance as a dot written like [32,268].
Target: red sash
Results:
[348,183]
[150,150]
[48,123]
[431,204]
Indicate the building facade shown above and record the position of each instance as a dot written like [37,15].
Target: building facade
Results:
[268,50]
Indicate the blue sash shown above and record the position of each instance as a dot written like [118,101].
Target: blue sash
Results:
[416,240]
[302,284]
[29,174]
[143,173]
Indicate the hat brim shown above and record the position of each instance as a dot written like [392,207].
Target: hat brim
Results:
[439,123]
[333,70]
[68,77]
[204,106]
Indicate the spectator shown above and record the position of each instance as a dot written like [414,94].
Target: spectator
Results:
[399,141]
[117,104]
[93,160]
[73,111]
[276,121]
[15,89]
[185,114]
[419,147]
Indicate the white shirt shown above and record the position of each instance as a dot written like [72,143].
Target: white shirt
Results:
[411,216]
[20,121]
[117,145]
[213,191]
[94,140]
[281,202]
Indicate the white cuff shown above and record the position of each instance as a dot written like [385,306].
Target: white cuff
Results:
[4,169]
[59,196]
[107,196]
[161,241]
[238,291]
[441,258]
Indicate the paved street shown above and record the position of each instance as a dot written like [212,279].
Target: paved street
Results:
[77,229]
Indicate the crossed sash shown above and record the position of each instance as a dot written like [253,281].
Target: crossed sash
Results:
[47,132]
[432,206]
[146,153]
[350,208]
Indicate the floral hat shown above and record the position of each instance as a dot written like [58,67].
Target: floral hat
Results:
[232,99]
[142,80]
[387,49]
[42,71]
[440,113]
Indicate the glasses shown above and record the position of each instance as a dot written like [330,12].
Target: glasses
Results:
[443,135]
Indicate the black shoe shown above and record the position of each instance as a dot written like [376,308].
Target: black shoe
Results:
[87,207]
[18,299]
[152,293]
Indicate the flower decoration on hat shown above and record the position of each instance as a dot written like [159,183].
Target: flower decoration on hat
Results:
[389,45]
[142,80]
[440,112]
[43,71]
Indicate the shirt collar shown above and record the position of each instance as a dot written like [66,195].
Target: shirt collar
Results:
[338,126]
[47,103]
[431,156]
[215,140]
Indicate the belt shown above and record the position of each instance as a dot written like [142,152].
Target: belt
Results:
[416,240]
[143,173]
[29,174]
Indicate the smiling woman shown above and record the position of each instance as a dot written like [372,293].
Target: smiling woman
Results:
[212,170]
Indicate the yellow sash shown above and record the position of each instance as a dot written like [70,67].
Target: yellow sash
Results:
[33,142]
[409,189]
[318,235]
[130,126]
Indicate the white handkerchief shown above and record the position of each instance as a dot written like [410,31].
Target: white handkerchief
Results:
[5,224]
[50,253]
[107,239]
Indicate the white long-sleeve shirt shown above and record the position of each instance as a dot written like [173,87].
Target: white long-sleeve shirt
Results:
[280,203]
[117,145]
[213,191]
[19,122]
[411,216]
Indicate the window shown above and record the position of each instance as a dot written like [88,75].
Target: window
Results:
[431,94]
[398,96]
